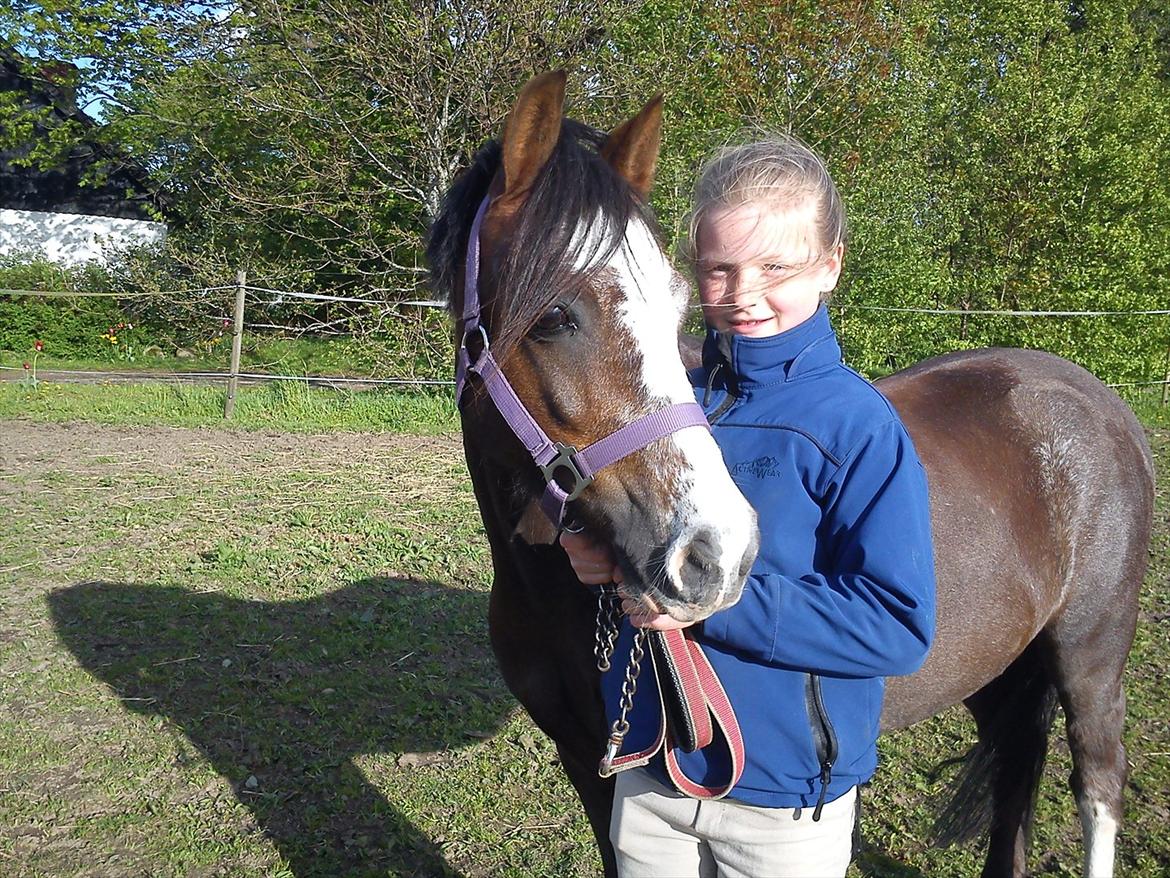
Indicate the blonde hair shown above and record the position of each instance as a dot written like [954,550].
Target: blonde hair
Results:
[779,169]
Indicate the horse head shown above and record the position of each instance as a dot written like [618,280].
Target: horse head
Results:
[583,312]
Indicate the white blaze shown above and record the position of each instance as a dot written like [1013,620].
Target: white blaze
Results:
[654,299]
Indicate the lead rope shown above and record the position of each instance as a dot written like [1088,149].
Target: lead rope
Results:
[621,725]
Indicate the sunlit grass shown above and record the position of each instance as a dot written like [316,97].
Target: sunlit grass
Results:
[292,406]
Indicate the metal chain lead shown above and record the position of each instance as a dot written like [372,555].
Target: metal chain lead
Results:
[621,725]
[608,614]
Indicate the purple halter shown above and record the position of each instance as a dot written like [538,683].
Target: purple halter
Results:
[552,457]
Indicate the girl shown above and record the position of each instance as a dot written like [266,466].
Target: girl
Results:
[842,592]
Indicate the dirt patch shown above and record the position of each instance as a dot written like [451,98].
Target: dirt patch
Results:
[32,447]
[77,489]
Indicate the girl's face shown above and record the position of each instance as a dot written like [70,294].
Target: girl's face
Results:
[760,268]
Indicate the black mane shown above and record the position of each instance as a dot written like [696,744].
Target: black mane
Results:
[575,185]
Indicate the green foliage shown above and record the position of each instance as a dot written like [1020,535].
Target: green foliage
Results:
[78,327]
[1044,145]
[993,156]
[1002,156]
[68,327]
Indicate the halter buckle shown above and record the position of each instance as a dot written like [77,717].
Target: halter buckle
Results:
[470,333]
[566,460]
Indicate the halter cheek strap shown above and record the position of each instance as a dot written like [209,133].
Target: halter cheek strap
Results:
[567,472]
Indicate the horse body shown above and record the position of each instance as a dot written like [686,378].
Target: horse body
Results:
[1040,480]
[1041,487]
[1041,490]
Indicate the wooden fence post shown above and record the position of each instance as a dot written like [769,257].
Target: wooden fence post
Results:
[237,340]
[1166,379]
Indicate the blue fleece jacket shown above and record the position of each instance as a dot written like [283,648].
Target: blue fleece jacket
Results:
[842,592]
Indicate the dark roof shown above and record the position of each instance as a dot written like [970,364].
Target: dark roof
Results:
[126,190]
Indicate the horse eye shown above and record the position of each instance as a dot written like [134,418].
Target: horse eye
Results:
[554,321]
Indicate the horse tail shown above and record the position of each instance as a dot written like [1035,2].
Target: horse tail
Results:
[1014,714]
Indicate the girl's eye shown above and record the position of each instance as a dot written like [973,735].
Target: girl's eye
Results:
[775,268]
[554,321]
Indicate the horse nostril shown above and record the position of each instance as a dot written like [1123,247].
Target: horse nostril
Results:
[704,549]
[704,577]
[699,570]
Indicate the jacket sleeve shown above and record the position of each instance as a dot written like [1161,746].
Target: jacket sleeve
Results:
[872,614]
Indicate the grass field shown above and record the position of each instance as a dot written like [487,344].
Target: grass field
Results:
[243,652]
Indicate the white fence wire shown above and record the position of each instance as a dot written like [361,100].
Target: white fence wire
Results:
[435,303]
[387,305]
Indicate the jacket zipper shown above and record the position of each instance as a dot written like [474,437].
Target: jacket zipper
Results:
[824,737]
[728,400]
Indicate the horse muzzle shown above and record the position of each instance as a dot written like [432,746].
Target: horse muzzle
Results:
[699,571]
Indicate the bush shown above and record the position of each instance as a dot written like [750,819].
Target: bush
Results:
[68,327]
[73,328]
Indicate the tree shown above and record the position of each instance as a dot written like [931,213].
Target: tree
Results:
[311,140]
[993,155]
[1045,142]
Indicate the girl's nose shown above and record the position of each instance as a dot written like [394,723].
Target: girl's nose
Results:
[740,287]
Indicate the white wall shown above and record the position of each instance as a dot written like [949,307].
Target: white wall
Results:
[70,238]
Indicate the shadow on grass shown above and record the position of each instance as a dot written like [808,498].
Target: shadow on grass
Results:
[279,698]
[872,863]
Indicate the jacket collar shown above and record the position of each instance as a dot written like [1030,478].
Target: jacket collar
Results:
[784,357]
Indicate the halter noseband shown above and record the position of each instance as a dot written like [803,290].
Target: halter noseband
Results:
[553,458]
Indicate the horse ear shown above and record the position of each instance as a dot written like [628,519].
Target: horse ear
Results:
[632,148]
[530,134]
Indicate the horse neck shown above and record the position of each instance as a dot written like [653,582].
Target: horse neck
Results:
[492,483]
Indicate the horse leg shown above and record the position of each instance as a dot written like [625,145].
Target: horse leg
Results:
[997,787]
[1087,665]
[596,794]
[558,683]
[580,741]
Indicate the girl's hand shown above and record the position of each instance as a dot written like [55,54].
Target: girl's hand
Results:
[642,616]
[594,565]
[592,560]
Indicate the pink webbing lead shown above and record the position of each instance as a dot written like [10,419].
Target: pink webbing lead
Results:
[703,693]
[719,705]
